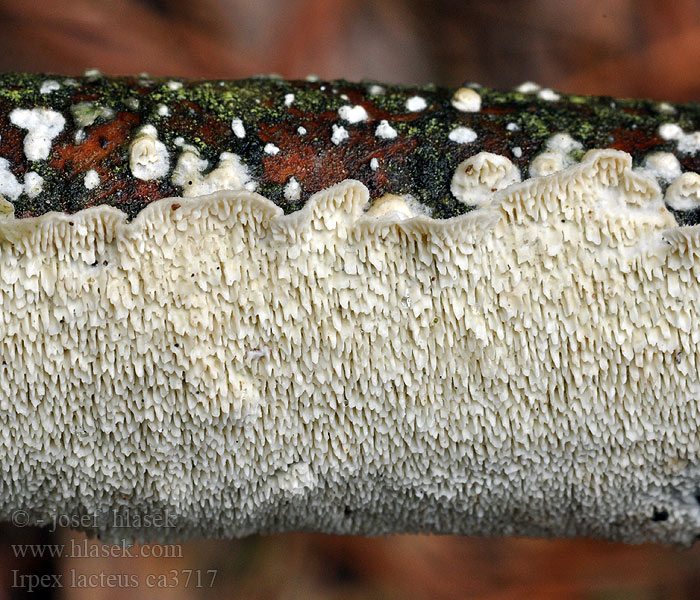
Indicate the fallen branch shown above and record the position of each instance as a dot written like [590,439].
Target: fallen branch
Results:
[237,307]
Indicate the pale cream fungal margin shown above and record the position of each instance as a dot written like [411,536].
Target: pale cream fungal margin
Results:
[328,369]
[42,126]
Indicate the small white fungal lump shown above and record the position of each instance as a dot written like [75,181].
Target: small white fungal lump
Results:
[292,190]
[271,149]
[353,114]
[42,126]
[148,157]
[91,179]
[229,174]
[339,134]
[684,192]
[466,100]
[688,143]
[662,166]
[238,128]
[416,104]
[462,135]
[48,86]
[385,131]
[548,95]
[33,184]
[556,155]
[528,87]
[477,178]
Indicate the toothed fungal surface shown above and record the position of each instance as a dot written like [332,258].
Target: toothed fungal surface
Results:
[340,359]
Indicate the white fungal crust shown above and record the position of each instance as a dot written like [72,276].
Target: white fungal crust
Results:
[530,367]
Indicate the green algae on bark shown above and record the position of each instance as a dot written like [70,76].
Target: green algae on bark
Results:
[292,131]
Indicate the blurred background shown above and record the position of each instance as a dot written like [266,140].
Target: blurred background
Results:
[647,48]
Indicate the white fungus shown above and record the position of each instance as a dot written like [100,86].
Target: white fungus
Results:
[517,151]
[548,95]
[416,104]
[688,143]
[385,131]
[662,166]
[148,156]
[477,178]
[301,130]
[533,357]
[9,186]
[339,134]
[174,85]
[91,179]
[352,114]
[288,99]
[33,184]
[557,155]
[512,127]
[390,206]
[292,190]
[48,86]
[374,164]
[271,149]
[42,126]
[376,90]
[466,100]
[162,110]
[238,128]
[229,174]
[684,192]
[462,135]
[528,87]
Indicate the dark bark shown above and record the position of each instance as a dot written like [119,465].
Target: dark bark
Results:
[419,161]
